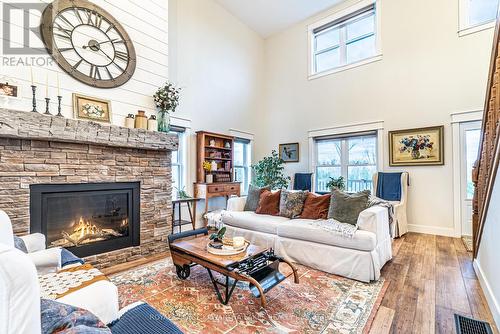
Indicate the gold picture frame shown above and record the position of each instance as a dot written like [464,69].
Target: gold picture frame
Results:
[91,108]
[289,152]
[417,147]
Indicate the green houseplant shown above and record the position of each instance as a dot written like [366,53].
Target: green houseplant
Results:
[270,172]
[338,183]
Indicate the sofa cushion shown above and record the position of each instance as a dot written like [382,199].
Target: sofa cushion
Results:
[346,207]
[269,203]
[253,197]
[253,221]
[292,203]
[316,207]
[312,230]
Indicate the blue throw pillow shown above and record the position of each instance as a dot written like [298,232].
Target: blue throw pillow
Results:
[19,244]
[65,319]
[144,319]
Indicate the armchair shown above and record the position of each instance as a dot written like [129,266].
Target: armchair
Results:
[398,198]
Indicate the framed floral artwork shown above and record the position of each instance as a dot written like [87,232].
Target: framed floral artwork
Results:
[91,108]
[417,147]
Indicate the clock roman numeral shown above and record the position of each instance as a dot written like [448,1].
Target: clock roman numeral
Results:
[66,33]
[94,72]
[75,67]
[61,16]
[109,73]
[121,55]
[77,14]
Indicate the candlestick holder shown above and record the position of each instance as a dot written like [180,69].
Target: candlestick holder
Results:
[33,89]
[47,102]
[59,98]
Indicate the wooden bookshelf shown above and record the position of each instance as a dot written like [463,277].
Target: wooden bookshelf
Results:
[219,148]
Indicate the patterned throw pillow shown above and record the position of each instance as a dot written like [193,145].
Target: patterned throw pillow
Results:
[345,207]
[19,244]
[253,197]
[269,203]
[292,203]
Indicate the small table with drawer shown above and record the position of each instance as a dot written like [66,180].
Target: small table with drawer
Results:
[206,191]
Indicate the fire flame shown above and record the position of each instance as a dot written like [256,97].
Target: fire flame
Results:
[85,228]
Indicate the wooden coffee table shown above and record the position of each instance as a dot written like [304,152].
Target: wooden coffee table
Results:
[258,266]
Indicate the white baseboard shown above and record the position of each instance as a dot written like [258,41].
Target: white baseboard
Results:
[490,297]
[444,231]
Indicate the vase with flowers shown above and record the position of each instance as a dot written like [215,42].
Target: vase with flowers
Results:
[207,166]
[166,100]
[415,145]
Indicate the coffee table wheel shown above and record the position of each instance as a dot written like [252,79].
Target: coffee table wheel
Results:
[183,272]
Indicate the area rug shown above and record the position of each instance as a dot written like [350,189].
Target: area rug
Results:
[321,303]
[467,240]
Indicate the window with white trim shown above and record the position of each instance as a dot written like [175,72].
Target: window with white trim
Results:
[178,161]
[475,13]
[352,156]
[345,40]
[242,163]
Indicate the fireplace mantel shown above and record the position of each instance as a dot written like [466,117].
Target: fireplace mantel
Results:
[35,126]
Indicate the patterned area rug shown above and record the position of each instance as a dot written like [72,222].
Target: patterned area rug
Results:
[321,303]
[467,240]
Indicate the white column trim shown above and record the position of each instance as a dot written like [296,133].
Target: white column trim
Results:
[180,121]
[242,134]
[456,119]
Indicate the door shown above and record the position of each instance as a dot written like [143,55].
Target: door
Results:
[470,133]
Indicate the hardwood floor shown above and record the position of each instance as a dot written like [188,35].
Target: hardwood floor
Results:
[431,279]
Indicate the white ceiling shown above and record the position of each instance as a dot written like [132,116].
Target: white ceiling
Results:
[267,17]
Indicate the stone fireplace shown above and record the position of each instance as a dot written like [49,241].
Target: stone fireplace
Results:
[87,218]
[102,191]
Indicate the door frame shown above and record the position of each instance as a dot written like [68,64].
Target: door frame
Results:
[456,119]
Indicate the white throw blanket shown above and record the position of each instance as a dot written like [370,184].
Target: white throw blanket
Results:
[332,225]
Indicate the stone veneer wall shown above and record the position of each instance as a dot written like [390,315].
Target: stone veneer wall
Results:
[28,161]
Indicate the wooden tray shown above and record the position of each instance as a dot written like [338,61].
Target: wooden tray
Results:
[226,252]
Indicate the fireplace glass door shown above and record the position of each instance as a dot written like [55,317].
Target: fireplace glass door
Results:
[86,218]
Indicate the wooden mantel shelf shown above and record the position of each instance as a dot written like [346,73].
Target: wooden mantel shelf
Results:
[35,126]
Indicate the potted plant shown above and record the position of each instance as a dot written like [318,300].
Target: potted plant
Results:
[166,100]
[338,183]
[270,172]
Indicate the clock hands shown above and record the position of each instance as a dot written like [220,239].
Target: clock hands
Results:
[94,45]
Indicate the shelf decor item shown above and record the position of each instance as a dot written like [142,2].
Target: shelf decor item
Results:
[417,147]
[91,108]
[289,152]
[207,166]
[33,90]
[130,121]
[8,90]
[47,106]
[141,120]
[152,123]
[59,99]
[166,100]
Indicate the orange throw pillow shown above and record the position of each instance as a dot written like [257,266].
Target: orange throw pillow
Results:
[316,207]
[269,203]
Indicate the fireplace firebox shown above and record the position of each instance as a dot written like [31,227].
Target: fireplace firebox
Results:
[87,218]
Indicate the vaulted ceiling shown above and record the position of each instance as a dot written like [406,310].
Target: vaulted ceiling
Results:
[267,17]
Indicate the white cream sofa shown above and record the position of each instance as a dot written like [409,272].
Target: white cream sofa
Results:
[300,240]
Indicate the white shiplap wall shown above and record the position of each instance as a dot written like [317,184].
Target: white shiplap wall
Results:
[146,22]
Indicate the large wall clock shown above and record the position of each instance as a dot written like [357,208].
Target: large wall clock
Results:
[88,43]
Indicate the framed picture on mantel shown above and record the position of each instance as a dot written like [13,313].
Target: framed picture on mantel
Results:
[417,147]
[91,108]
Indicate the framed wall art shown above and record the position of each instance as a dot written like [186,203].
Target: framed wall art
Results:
[91,108]
[417,147]
[289,152]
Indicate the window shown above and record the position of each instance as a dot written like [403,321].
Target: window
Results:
[344,40]
[178,161]
[242,162]
[472,139]
[354,157]
[476,13]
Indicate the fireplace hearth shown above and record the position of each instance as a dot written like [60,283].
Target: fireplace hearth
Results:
[87,218]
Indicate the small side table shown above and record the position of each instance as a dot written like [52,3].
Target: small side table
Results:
[191,206]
